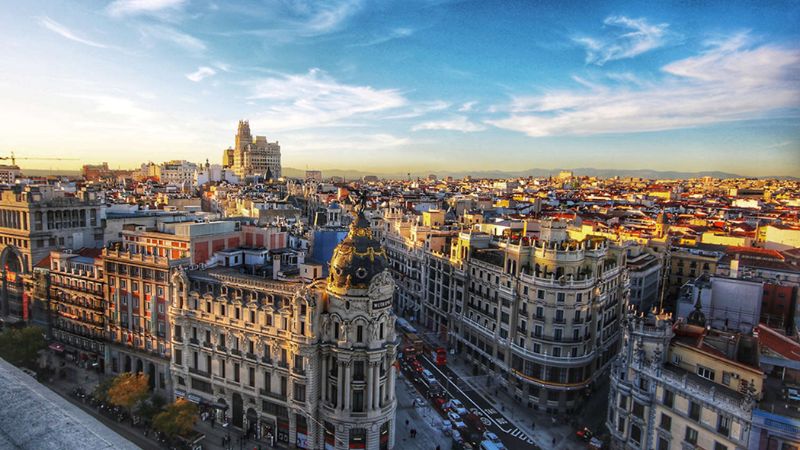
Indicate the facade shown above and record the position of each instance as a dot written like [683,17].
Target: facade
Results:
[680,386]
[178,173]
[137,289]
[9,173]
[34,220]
[303,364]
[95,172]
[644,270]
[78,305]
[537,315]
[255,156]
[688,263]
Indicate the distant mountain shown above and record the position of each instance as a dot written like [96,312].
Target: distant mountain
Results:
[583,171]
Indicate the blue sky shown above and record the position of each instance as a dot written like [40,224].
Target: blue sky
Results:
[409,85]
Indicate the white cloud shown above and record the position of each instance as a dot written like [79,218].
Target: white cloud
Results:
[120,8]
[466,107]
[397,33]
[456,123]
[200,73]
[324,17]
[629,38]
[420,109]
[65,32]
[121,107]
[173,36]
[314,99]
[732,80]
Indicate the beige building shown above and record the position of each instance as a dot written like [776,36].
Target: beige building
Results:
[299,362]
[682,386]
[254,156]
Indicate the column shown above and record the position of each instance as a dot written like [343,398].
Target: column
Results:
[339,385]
[324,378]
[377,395]
[348,368]
[390,383]
[370,385]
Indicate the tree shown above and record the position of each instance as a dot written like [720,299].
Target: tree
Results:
[177,419]
[128,389]
[148,409]
[21,346]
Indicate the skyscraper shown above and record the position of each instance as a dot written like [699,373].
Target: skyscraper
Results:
[254,156]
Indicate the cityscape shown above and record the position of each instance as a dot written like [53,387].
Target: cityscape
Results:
[433,225]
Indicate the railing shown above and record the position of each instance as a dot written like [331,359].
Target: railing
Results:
[564,360]
[202,373]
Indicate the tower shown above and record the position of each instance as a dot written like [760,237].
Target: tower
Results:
[359,345]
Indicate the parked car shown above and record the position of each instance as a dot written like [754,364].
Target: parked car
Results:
[456,405]
[458,423]
[491,437]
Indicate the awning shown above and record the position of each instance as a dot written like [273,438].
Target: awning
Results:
[56,346]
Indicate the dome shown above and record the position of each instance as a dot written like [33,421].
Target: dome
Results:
[358,258]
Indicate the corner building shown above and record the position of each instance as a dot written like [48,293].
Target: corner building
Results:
[302,364]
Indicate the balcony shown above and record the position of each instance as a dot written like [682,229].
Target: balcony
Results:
[270,394]
[202,373]
[222,348]
[207,344]
[283,364]
[236,352]
[299,371]
[560,320]
[266,360]
[251,356]
[194,341]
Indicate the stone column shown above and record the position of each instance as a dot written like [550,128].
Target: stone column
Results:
[390,383]
[347,375]
[371,381]
[376,393]
[340,386]
[324,378]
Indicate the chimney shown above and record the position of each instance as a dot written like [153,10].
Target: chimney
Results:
[735,267]
[276,266]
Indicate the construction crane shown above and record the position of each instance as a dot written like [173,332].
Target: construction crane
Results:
[14,159]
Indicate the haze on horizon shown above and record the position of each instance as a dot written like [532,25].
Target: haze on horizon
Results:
[417,85]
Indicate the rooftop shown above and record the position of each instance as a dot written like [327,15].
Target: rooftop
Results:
[42,420]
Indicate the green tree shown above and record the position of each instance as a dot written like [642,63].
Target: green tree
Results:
[21,346]
[177,419]
[101,390]
[128,389]
[149,408]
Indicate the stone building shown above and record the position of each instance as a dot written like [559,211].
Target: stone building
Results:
[34,220]
[681,385]
[298,361]
[77,304]
[254,156]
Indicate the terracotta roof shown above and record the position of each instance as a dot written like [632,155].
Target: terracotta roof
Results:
[767,337]
[44,263]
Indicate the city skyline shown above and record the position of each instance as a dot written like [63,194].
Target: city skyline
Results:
[413,86]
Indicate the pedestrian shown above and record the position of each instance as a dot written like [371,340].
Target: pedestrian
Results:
[554,442]
[406,423]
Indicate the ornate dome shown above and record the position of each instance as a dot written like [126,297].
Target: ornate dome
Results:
[358,258]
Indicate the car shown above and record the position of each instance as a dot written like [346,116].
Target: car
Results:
[458,423]
[456,405]
[491,437]
[428,378]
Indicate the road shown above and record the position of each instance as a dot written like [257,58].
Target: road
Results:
[513,438]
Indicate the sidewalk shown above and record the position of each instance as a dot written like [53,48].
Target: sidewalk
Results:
[424,419]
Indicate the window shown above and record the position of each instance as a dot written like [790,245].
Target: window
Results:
[636,434]
[360,333]
[621,424]
[560,297]
[623,402]
[705,373]
[663,444]
[724,425]
[178,357]
[694,411]
[300,392]
[222,367]
[251,376]
[540,294]
[718,446]
[669,398]
[236,372]
[726,378]
[638,410]
[666,422]
[691,435]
